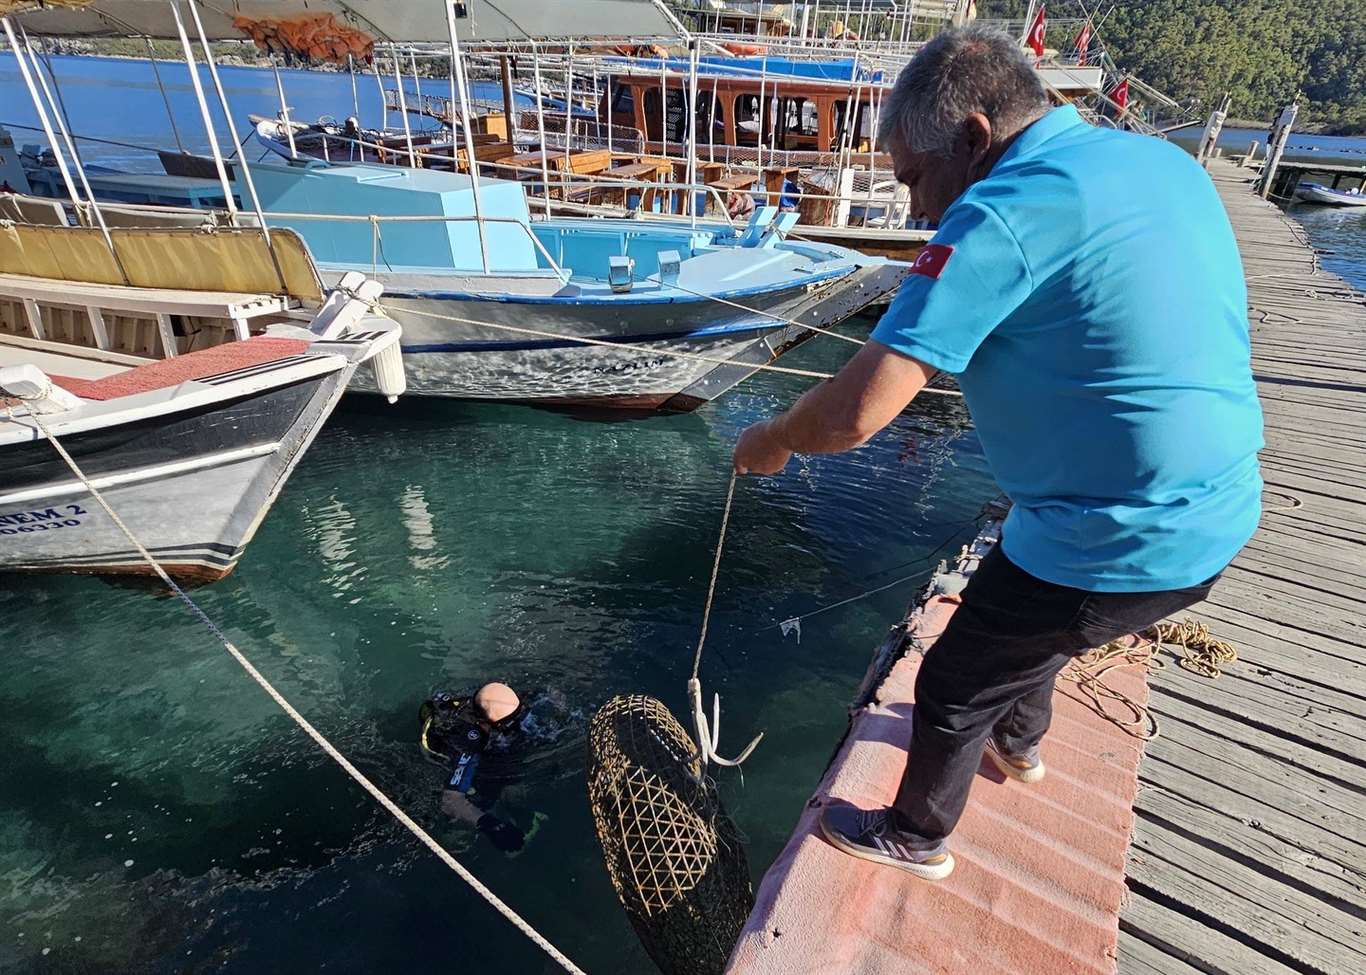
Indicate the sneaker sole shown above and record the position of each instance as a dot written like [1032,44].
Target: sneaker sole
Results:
[1028,776]
[925,871]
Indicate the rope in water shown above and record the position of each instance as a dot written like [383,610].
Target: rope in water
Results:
[715,571]
[317,736]
[709,732]
[584,340]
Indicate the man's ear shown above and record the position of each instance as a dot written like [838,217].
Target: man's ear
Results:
[976,136]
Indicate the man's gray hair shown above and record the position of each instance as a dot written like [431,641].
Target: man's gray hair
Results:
[962,71]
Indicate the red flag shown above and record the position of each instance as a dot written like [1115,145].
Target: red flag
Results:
[1034,39]
[1120,94]
[1083,43]
[931,260]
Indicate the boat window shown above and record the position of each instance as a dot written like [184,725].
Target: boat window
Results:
[746,119]
[676,116]
[862,121]
[623,100]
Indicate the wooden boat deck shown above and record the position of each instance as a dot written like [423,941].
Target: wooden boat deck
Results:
[1249,852]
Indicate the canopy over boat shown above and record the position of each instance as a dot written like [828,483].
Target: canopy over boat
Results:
[477,21]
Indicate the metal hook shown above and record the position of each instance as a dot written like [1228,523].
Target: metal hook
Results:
[709,733]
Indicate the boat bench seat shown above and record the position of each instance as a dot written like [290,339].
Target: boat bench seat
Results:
[38,211]
[158,304]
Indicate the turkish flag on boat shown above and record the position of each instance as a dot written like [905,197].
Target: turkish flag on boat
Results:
[1083,44]
[1035,36]
[1119,94]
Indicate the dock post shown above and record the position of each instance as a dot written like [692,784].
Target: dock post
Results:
[1210,138]
[1280,135]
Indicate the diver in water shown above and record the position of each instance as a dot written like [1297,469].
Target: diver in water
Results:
[456,732]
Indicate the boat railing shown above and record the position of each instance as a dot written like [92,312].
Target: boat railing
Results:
[375,220]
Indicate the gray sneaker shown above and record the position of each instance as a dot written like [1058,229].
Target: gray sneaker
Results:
[870,835]
[1025,767]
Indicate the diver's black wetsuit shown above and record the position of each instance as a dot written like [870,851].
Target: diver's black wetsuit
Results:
[454,730]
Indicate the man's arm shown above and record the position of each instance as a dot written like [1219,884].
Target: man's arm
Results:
[840,414]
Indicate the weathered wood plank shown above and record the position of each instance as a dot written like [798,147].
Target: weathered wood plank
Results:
[1171,939]
[1331,781]
[1262,910]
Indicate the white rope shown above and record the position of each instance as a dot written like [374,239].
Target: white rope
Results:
[389,310]
[299,719]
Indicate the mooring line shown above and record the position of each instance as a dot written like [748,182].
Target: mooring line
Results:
[332,752]
[389,310]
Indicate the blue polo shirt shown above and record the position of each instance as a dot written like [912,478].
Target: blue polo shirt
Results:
[1089,295]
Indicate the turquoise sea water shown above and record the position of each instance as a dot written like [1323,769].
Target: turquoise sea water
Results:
[157,812]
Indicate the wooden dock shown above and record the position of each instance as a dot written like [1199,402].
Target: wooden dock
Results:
[1249,853]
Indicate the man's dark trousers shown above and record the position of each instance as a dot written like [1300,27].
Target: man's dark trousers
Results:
[994,667]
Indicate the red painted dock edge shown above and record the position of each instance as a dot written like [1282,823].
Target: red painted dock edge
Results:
[1040,868]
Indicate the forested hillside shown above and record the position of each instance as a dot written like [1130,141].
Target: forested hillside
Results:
[1260,50]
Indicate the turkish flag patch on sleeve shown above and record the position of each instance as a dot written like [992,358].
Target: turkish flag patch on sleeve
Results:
[932,260]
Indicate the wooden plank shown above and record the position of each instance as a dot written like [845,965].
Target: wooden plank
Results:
[1270,803]
[1136,956]
[1262,910]
[97,326]
[1285,857]
[167,333]
[1175,939]
[1338,727]
[35,319]
[1229,744]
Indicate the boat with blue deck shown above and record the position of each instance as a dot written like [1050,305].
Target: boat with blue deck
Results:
[657,314]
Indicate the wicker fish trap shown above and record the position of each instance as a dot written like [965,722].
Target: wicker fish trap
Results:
[673,854]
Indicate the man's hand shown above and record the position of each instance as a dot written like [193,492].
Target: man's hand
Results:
[504,835]
[758,451]
[458,806]
[839,414]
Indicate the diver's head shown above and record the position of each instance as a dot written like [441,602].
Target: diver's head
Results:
[498,703]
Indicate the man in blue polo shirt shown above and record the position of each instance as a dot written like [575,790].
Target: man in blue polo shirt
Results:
[1085,288]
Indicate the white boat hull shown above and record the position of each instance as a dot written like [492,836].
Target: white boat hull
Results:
[192,488]
[1313,193]
[639,356]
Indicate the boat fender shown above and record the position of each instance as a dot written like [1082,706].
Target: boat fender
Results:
[37,391]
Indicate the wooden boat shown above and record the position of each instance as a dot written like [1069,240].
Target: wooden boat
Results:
[187,407]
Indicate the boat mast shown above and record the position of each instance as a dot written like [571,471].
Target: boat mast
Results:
[284,109]
[383,101]
[22,57]
[509,100]
[609,114]
[232,131]
[692,130]
[663,107]
[170,116]
[540,125]
[458,86]
[403,106]
[355,95]
[204,110]
[568,109]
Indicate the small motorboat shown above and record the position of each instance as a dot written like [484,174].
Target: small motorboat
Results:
[1317,193]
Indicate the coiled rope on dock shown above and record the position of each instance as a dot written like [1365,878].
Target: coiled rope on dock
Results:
[1200,653]
[318,738]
